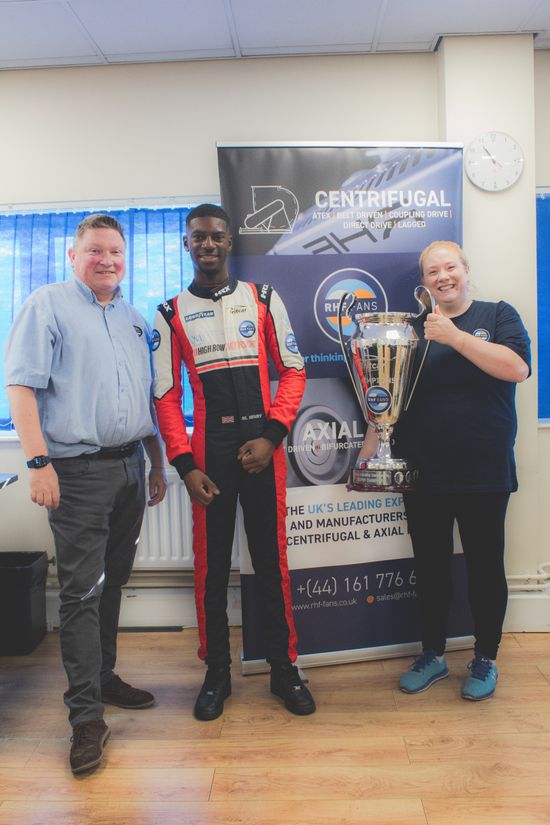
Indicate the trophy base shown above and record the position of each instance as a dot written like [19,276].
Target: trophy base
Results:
[383,476]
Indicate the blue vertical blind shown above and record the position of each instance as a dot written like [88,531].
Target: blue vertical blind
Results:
[33,252]
[543,281]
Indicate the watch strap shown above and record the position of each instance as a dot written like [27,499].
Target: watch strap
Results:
[38,461]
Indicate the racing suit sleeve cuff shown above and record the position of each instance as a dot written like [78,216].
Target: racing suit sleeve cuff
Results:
[274,431]
[183,464]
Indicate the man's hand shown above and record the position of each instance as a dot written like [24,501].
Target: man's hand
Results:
[256,454]
[44,487]
[200,488]
[438,327]
[43,482]
[157,485]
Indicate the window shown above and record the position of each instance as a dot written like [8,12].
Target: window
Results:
[33,252]
[543,281]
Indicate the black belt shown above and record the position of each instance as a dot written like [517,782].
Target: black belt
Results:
[123,451]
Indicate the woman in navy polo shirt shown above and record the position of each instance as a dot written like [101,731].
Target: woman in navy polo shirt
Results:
[459,432]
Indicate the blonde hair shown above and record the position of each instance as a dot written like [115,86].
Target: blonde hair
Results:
[98,221]
[451,245]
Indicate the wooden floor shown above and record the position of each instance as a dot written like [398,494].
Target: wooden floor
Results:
[370,754]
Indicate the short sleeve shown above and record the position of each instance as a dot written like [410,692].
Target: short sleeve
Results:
[510,332]
[29,348]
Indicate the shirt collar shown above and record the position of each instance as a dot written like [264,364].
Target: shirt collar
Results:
[90,295]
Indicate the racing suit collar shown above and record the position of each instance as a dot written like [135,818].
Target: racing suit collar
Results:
[204,292]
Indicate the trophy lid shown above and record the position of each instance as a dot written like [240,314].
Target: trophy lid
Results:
[393,328]
[398,318]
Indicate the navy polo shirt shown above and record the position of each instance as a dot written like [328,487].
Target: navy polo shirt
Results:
[460,428]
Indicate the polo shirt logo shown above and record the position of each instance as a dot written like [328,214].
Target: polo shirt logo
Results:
[482,333]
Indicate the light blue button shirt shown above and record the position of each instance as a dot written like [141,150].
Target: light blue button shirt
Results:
[90,367]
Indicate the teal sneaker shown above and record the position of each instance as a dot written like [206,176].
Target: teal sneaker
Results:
[482,681]
[424,672]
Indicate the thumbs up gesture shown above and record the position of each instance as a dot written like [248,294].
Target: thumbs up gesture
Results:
[438,327]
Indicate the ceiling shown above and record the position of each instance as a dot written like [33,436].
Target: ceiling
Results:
[39,33]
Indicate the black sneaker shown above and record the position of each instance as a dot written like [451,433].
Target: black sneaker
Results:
[88,741]
[122,695]
[216,688]
[287,684]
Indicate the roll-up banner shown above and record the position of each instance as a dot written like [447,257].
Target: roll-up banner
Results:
[316,221]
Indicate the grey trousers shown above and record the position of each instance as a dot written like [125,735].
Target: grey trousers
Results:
[96,530]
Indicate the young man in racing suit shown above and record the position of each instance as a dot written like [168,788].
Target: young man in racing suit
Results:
[223,331]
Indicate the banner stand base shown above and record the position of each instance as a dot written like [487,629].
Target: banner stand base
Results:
[342,657]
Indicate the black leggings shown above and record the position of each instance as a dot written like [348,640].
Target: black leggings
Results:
[480,518]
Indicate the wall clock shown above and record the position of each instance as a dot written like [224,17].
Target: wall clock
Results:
[494,161]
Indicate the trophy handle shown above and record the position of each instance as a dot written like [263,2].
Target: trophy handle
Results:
[427,301]
[427,296]
[347,358]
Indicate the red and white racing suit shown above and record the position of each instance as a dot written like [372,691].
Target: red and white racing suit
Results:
[224,339]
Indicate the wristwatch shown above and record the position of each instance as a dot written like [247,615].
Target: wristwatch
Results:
[38,461]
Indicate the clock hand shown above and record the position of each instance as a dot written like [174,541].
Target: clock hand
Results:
[494,161]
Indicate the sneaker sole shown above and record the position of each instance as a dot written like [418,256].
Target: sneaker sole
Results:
[477,698]
[127,707]
[90,765]
[426,687]
[209,717]
[293,709]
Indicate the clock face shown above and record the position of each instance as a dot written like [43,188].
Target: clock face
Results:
[494,161]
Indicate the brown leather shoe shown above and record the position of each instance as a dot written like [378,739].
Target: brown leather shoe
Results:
[119,693]
[88,741]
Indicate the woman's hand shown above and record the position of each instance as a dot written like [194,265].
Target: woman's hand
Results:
[438,327]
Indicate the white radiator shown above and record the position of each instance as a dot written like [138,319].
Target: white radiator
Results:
[166,541]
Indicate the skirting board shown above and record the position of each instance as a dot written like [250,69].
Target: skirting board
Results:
[152,607]
[528,613]
[175,607]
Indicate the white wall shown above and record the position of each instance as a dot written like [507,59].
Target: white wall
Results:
[149,131]
[542,117]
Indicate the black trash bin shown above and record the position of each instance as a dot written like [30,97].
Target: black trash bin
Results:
[22,601]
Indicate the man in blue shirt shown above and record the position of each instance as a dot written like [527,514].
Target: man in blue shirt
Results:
[78,376]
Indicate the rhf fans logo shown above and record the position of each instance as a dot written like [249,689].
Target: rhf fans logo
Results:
[274,211]
[155,340]
[378,399]
[247,329]
[369,294]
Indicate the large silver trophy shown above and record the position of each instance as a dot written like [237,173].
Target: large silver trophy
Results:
[379,356]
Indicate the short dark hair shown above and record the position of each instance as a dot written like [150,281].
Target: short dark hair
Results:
[98,221]
[207,210]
